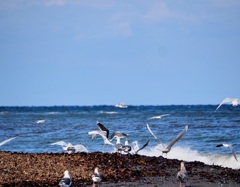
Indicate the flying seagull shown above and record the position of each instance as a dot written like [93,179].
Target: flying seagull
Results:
[230,147]
[182,175]
[158,117]
[233,101]
[66,180]
[103,132]
[8,140]
[118,135]
[69,148]
[96,177]
[103,128]
[168,148]
[40,121]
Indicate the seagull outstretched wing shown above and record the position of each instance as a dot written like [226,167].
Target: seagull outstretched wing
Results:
[179,136]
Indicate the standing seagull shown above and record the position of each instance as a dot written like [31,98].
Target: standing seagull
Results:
[158,117]
[6,141]
[168,148]
[233,101]
[66,180]
[230,147]
[118,135]
[182,175]
[96,177]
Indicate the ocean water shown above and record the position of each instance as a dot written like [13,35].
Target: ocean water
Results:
[206,129]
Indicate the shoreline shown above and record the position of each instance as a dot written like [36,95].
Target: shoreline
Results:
[46,169]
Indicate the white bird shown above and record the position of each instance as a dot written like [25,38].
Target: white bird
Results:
[40,121]
[118,135]
[158,117]
[96,177]
[66,180]
[168,148]
[118,146]
[231,148]
[182,175]
[69,148]
[233,101]
[6,141]
[127,148]
[103,132]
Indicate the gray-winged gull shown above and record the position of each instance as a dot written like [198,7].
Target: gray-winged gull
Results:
[168,148]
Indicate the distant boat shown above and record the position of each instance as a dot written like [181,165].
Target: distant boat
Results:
[121,105]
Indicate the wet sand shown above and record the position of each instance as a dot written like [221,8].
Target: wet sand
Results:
[21,169]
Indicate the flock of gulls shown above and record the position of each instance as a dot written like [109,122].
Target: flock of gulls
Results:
[126,148]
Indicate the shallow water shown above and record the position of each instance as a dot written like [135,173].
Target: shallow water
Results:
[72,124]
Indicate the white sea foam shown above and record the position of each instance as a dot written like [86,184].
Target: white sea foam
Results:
[189,155]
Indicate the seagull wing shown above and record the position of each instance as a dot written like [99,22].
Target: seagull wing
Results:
[118,134]
[154,117]
[233,151]
[103,128]
[226,100]
[80,148]
[179,136]
[8,140]
[61,143]
[101,133]
[158,117]
[154,134]
[145,145]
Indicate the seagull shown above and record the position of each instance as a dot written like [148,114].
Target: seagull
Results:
[182,175]
[8,140]
[96,177]
[168,148]
[126,148]
[230,147]
[69,148]
[118,146]
[40,121]
[233,101]
[158,117]
[103,128]
[103,132]
[118,134]
[66,180]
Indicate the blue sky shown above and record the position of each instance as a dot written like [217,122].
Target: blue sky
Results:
[90,52]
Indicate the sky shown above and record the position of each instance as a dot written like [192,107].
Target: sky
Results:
[141,52]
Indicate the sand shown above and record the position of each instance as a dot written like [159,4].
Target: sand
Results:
[24,169]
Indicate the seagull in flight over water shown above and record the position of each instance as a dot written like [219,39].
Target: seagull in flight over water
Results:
[6,141]
[233,101]
[168,148]
[230,147]
[103,132]
[158,117]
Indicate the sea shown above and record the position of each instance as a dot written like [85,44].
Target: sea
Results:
[39,129]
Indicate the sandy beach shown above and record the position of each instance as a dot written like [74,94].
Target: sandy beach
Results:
[22,169]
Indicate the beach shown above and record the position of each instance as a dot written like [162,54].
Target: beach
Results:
[46,169]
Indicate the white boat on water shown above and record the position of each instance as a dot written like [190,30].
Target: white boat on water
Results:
[121,105]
